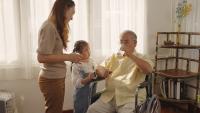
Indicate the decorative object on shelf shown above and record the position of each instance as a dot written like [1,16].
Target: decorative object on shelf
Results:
[183,9]
[169,42]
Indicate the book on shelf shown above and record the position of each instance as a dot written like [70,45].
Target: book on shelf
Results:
[172,88]
[163,89]
[178,89]
[169,88]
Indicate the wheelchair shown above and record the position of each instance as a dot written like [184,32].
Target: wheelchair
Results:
[150,105]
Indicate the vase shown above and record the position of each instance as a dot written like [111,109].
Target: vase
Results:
[178,40]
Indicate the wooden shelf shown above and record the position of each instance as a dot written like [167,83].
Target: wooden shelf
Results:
[186,33]
[177,101]
[176,67]
[174,73]
[183,58]
[180,46]
[164,58]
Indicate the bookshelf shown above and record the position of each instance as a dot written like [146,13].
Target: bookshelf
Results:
[177,68]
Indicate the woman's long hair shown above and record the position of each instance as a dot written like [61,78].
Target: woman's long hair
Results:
[58,11]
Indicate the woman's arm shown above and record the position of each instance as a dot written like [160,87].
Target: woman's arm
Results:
[52,58]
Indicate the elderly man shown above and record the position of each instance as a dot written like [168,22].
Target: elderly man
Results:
[128,70]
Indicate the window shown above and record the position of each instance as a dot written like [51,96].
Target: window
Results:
[99,22]
[19,26]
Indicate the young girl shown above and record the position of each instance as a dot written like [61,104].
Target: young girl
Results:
[82,76]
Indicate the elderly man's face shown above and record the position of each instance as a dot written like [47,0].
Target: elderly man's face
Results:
[128,41]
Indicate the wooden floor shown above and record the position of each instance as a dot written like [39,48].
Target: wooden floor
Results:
[163,110]
[169,110]
[179,108]
[68,111]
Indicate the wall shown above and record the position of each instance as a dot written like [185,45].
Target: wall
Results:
[158,19]
[28,96]
[29,99]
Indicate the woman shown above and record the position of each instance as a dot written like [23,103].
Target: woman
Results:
[53,38]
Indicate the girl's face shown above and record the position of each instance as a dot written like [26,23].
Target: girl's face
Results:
[86,52]
[69,13]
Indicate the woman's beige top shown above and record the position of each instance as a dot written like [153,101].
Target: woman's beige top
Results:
[49,42]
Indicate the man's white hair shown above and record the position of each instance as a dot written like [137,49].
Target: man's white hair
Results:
[134,36]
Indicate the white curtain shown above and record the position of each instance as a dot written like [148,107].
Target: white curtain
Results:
[99,22]
[19,24]
[190,23]
[104,21]
[112,18]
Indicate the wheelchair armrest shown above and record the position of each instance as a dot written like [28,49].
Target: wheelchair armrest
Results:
[143,84]
[147,85]
[96,96]
[98,79]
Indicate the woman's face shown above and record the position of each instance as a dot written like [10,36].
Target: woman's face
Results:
[86,52]
[69,13]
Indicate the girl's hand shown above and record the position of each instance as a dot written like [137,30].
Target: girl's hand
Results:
[88,79]
[90,76]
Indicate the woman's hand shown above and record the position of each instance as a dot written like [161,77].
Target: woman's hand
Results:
[74,57]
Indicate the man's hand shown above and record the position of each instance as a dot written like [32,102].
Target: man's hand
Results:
[127,51]
[102,72]
[107,73]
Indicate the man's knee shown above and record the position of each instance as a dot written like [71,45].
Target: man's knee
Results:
[95,107]
[127,108]
[91,109]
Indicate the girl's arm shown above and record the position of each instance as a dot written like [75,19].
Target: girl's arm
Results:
[79,82]
[88,79]
[76,79]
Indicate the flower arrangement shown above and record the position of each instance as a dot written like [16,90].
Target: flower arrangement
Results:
[183,10]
